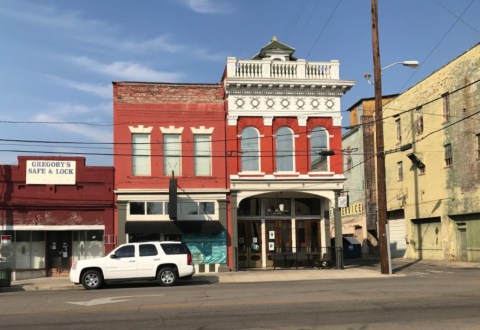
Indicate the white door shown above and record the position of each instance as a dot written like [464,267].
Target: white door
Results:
[123,265]
[148,260]
[398,243]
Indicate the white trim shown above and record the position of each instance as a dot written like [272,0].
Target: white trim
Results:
[140,129]
[171,130]
[202,130]
[165,191]
[286,173]
[52,227]
[251,173]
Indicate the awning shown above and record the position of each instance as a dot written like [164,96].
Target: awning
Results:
[173,227]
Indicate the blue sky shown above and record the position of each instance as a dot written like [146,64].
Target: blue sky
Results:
[59,58]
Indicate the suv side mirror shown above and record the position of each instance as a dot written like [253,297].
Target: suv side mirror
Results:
[113,256]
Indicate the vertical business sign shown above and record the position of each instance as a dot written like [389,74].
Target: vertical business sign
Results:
[61,172]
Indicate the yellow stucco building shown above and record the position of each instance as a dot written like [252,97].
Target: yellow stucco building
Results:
[432,146]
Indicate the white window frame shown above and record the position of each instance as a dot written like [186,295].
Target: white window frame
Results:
[202,152]
[315,150]
[288,153]
[250,151]
[141,151]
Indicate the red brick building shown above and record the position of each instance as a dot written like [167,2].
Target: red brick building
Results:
[257,159]
[53,211]
[164,131]
[284,128]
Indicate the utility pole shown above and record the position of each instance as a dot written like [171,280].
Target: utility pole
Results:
[380,155]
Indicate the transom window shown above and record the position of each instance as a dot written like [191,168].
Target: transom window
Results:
[149,208]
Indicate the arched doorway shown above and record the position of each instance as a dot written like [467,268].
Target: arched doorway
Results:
[284,231]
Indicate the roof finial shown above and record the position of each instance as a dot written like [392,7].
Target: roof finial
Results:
[274,38]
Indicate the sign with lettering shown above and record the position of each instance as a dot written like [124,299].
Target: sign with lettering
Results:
[356,208]
[61,172]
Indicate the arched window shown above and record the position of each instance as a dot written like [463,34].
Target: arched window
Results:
[318,143]
[250,150]
[284,150]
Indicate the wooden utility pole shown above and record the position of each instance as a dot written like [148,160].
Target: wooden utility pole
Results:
[380,155]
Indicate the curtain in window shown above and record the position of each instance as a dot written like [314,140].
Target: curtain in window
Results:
[172,154]
[284,149]
[202,154]
[140,154]
[250,150]
[318,143]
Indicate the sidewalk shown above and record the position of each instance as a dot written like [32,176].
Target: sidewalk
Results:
[353,270]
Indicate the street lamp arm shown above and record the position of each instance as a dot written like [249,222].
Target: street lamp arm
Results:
[410,64]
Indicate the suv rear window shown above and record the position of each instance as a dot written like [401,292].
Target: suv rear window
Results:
[148,250]
[175,248]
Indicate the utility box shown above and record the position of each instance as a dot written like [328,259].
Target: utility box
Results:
[5,276]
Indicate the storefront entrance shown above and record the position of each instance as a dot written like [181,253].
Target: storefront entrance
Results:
[59,250]
[281,232]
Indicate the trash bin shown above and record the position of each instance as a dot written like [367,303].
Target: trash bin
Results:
[5,276]
[351,247]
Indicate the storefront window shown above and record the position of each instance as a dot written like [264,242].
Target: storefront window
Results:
[277,206]
[154,208]
[137,208]
[307,206]
[29,250]
[249,207]
[87,244]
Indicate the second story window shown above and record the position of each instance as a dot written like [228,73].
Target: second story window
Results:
[284,150]
[140,154]
[398,125]
[172,154]
[203,154]
[478,146]
[250,150]
[446,107]
[400,171]
[419,121]
[448,155]
[318,143]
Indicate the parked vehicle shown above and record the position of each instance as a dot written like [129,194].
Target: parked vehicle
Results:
[161,261]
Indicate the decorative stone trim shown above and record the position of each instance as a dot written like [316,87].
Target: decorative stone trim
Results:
[202,130]
[171,130]
[140,129]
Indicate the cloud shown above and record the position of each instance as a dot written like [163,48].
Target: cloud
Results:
[207,6]
[98,134]
[102,90]
[122,70]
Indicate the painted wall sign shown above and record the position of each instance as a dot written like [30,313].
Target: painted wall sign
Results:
[61,172]
[356,208]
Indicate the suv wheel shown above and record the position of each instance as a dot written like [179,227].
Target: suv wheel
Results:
[92,279]
[167,276]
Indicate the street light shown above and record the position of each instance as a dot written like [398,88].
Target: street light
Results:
[410,64]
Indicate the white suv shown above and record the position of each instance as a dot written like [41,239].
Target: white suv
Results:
[163,261]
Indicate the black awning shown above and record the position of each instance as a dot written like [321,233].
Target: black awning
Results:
[173,227]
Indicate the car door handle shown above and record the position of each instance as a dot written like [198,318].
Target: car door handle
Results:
[132,261]
[158,259]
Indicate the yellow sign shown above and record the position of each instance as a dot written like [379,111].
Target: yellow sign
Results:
[356,208]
